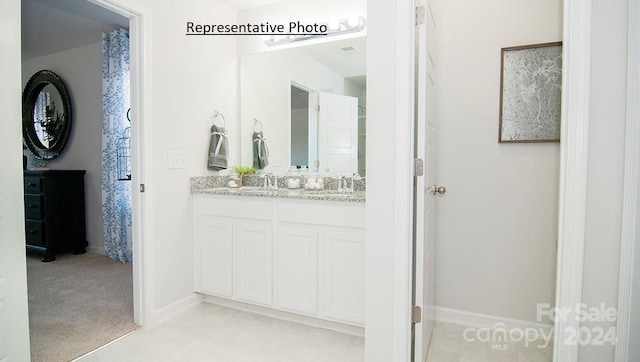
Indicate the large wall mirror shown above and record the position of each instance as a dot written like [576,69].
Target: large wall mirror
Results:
[310,102]
[46,115]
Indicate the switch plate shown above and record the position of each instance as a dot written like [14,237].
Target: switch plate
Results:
[177,159]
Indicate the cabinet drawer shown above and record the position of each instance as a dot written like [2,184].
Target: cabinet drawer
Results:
[35,233]
[33,207]
[344,214]
[32,185]
[233,206]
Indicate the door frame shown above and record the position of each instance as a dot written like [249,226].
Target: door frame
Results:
[389,210]
[574,157]
[576,95]
[631,194]
[141,112]
[14,327]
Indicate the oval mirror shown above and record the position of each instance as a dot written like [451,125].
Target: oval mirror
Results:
[46,115]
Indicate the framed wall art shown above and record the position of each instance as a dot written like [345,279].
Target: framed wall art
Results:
[530,93]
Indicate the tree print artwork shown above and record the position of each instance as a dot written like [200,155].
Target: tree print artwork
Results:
[530,97]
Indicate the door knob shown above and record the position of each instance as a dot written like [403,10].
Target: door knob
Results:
[439,190]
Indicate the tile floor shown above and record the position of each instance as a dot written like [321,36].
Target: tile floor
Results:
[208,332]
[448,344]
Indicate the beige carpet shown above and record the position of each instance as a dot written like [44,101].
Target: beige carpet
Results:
[77,304]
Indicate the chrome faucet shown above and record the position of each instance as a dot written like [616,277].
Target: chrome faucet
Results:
[342,184]
[341,180]
[270,182]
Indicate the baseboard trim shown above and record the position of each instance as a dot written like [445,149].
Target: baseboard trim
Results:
[291,317]
[176,308]
[491,322]
[106,345]
[96,250]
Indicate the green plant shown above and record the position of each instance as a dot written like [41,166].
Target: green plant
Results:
[244,170]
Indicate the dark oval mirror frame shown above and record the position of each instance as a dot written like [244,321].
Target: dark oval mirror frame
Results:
[29,97]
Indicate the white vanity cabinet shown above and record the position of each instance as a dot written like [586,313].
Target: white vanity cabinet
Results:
[296,269]
[233,243]
[252,261]
[298,256]
[342,268]
[214,255]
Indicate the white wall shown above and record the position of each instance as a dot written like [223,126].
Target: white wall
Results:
[497,224]
[265,93]
[81,70]
[191,77]
[606,164]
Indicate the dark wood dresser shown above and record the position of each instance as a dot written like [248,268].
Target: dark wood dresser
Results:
[54,212]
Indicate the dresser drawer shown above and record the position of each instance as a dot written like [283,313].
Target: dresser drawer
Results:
[32,185]
[35,233]
[33,207]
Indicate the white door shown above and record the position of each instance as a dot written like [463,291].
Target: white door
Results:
[337,118]
[14,323]
[425,188]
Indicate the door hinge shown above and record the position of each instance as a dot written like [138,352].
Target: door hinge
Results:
[416,314]
[418,167]
[141,187]
[420,14]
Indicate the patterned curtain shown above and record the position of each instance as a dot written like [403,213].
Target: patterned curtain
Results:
[116,195]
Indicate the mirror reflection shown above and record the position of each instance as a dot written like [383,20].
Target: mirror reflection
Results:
[311,104]
[48,115]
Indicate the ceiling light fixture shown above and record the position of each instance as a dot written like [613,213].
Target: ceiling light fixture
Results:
[334,27]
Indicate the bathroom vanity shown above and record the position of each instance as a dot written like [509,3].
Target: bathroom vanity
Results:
[298,253]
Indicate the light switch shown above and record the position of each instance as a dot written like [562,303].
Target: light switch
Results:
[177,159]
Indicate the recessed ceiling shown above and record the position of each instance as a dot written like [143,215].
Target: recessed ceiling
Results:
[50,26]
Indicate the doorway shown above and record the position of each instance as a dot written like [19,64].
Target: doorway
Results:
[300,146]
[114,10]
[496,225]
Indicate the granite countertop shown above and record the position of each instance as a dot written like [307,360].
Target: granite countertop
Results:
[215,186]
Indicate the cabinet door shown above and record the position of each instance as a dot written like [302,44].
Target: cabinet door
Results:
[296,269]
[214,251]
[342,292]
[252,255]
